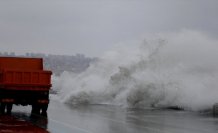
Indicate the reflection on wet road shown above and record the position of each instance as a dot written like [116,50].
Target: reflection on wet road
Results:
[109,119]
[10,124]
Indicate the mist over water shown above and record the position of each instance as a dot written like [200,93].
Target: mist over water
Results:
[167,69]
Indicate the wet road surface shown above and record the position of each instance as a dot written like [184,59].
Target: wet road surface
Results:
[10,124]
[62,118]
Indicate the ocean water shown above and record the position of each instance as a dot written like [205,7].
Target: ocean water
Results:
[157,71]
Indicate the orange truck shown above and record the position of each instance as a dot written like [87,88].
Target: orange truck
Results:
[23,81]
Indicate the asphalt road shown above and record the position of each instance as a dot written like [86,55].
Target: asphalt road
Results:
[62,118]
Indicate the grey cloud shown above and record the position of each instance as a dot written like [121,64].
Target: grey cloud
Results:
[92,27]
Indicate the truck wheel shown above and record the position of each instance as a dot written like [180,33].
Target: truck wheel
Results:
[2,108]
[9,108]
[35,109]
[44,109]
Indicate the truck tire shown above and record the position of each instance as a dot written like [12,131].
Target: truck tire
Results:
[9,108]
[2,108]
[44,109]
[35,109]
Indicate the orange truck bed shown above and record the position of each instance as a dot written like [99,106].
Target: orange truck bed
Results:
[23,74]
[21,63]
[23,81]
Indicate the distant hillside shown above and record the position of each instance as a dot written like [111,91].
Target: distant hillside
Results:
[59,63]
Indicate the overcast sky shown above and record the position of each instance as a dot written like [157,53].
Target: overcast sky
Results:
[92,27]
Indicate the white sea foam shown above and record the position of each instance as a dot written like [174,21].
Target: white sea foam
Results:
[170,69]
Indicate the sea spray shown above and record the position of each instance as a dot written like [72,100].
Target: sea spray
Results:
[170,69]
